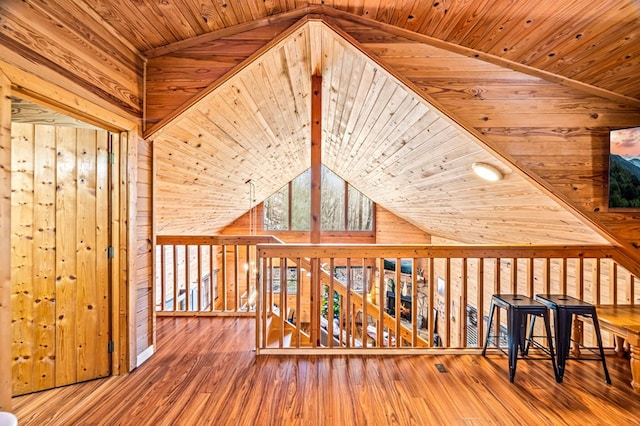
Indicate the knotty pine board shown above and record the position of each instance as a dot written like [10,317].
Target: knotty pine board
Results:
[60,280]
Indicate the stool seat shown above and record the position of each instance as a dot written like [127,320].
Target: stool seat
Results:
[564,308]
[519,308]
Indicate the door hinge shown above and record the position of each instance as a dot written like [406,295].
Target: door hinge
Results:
[110,346]
[112,158]
[110,252]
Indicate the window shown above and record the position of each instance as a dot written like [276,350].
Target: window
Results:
[342,207]
[292,279]
[331,201]
[276,210]
[301,202]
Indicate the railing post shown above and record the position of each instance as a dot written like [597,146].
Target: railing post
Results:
[163,277]
[314,300]
[530,277]
[431,313]
[330,308]
[225,306]
[480,308]
[213,279]
[463,304]
[298,314]
[175,278]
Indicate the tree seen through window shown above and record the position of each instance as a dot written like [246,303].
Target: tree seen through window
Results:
[342,207]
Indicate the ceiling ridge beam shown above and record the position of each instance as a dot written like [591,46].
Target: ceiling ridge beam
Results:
[545,187]
[152,131]
[231,31]
[331,14]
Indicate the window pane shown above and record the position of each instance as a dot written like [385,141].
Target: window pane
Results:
[276,210]
[360,211]
[331,201]
[292,280]
[301,202]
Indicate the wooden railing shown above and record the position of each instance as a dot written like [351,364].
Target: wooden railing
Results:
[342,298]
[207,275]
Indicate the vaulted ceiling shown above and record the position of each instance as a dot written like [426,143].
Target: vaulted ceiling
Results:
[414,92]
[378,135]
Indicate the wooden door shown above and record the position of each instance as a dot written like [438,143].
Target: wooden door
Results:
[59,256]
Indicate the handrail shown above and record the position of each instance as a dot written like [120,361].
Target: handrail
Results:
[206,275]
[229,275]
[458,280]
[217,240]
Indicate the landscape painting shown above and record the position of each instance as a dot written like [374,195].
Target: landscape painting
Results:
[624,169]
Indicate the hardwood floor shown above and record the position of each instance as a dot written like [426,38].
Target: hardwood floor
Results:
[206,373]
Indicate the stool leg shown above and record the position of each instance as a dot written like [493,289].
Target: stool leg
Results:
[549,339]
[530,335]
[563,339]
[522,334]
[486,341]
[596,326]
[514,334]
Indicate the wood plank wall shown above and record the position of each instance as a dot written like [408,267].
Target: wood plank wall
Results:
[84,69]
[5,242]
[81,55]
[175,77]
[392,229]
[145,320]
[559,133]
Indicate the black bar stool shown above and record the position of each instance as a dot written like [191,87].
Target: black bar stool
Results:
[519,308]
[564,307]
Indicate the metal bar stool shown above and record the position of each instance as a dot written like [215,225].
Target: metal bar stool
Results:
[519,308]
[564,307]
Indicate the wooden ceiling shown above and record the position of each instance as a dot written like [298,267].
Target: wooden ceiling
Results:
[592,42]
[414,92]
[378,135]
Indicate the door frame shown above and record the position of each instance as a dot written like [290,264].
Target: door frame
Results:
[15,82]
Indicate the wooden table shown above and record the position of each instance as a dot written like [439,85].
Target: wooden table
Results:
[624,322]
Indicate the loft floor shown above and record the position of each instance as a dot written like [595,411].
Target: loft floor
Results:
[206,373]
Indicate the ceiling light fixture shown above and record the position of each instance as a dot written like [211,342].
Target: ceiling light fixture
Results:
[487,172]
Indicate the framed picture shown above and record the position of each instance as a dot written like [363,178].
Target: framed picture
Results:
[624,169]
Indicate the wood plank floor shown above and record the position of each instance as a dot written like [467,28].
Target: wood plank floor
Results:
[206,373]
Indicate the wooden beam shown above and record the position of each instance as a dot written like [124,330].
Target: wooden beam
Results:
[230,31]
[5,242]
[316,156]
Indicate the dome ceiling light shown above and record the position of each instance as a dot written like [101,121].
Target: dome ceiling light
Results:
[487,172]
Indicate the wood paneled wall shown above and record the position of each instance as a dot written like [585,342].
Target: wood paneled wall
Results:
[84,69]
[145,318]
[5,242]
[391,229]
[81,55]
[176,76]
